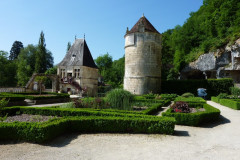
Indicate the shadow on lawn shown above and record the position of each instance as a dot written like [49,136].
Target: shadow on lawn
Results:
[221,121]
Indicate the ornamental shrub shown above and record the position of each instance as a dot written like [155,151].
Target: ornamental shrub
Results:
[222,96]
[3,103]
[170,97]
[67,105]
[187,95]
[235,91]
[120,99]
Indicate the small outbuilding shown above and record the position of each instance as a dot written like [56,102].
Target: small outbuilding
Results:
[78,72]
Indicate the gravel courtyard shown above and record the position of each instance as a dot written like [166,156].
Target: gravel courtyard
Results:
[218,141]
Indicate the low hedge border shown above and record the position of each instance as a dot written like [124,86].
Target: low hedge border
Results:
[12,97]
[190,99]
[154,109]
[57,96]
[230,103]
[63,112]
[194,119]
[151,110]
[41,132]
[215,99]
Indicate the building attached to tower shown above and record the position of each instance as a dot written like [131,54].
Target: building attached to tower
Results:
[142,58]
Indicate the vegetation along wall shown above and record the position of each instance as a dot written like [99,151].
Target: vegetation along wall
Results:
[213,86]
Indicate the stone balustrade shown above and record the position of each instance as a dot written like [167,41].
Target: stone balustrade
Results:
[12,89]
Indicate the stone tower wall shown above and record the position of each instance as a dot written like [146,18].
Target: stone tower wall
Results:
[142,63]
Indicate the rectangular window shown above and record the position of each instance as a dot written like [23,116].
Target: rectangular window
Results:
[62,73]
[77,73]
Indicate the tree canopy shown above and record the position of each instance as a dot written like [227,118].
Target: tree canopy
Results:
[26,64]
[44,59]
[215,24]
[15,50]
[7,71]
[111,71]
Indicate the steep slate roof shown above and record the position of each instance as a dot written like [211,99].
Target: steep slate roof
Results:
[78,55]
[147,25]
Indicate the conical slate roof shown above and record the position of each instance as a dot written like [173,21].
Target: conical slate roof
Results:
[78,55]
[143,21]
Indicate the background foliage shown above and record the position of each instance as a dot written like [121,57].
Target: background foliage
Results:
[215,24]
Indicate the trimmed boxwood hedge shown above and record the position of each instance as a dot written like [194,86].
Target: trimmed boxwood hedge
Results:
[84,111]
[102,123]
[231,103]
[190,99]
[215,99]
[194,119]
[153,108]
[56,96]
[213,86]
[22,96]
[12,97]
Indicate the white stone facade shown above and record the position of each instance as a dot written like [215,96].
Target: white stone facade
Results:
[142,62]
[86,77]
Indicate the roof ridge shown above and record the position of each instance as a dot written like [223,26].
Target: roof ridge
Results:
[78,55]
[143,22]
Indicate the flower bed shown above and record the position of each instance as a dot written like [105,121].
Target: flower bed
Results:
[194,119]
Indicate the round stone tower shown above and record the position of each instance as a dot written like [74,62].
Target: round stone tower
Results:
[142,58]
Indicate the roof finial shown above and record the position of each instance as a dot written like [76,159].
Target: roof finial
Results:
[84,36]
[143,15]
[75,37]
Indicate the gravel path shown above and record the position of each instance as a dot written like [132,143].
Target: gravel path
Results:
[219,141]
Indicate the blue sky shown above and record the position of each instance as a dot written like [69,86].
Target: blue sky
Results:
[104,22]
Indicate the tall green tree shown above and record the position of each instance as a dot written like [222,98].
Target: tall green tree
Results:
[104,62]
[26,64]
[7,71]
[111,71]
[15,50]
[3,71]
[118,67]
[41,56]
